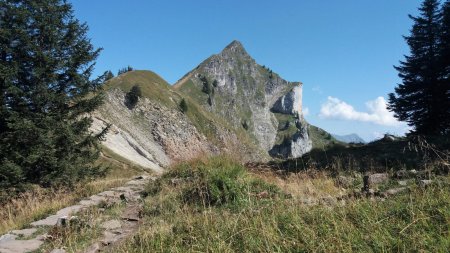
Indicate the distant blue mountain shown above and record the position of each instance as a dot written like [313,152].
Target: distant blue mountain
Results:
[354,138]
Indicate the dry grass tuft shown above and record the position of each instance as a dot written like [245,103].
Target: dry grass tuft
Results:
[37,202]
[304,184]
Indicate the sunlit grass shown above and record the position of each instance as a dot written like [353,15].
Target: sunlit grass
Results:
[416,221]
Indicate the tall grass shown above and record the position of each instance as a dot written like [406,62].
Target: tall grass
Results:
[37,202]
[417,221]
[304,184]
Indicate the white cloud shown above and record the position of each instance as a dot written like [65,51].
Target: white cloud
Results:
[305,111]
[377,112]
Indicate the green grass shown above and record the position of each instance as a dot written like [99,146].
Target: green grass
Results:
[320,138]
[194,91]
[151,84]
[230,217]
[203,121]
[217,181]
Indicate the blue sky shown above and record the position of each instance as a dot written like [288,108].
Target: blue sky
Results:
[342,51]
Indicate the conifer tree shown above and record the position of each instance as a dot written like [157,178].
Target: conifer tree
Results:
[46,62]
[444,63]
[183,106]
[109,75]
[420,96]
[206,86]
[132,97]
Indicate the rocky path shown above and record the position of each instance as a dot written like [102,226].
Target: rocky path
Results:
[114,230]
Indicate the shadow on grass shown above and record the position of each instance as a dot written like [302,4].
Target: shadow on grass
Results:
[388,154]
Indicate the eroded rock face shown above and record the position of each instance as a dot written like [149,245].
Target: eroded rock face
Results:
[150,134]
[291,103]
[243,91]
[300,144]
[155,136]
[296,146]
[237,105]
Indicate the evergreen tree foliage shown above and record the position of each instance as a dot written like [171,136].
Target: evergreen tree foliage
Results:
[183,106]
[245,125]
[444,62]
[206,85]
[132,97]
[121,71]
[422,98]
[124,70]
[109,75]
[46,95]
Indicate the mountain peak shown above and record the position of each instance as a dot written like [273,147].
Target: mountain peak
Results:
[349,138]
[235,46]
[235,43]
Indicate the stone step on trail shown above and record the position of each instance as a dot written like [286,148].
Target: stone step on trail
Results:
[117,230]
[10,244]
[130,192]
[53,219]
[24,232]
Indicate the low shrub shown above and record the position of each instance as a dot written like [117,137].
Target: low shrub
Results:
[217,181]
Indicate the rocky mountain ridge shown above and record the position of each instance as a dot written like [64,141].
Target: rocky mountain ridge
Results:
[349,138]
[234,105]
[251,96]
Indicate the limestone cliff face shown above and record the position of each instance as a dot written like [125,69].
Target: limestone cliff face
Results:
[234,106]
[291,103]
[155,133]
[250,96]
[150,134]
[295,145]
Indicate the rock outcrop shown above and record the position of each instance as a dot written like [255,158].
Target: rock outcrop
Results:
[291,103]
[233,105]
[151,134]
[296,145]
[250,96]
[349,138]
[155,133]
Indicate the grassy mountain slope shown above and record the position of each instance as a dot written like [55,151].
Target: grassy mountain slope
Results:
[152,86]
[158,90]
[156,127]
[321,139]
